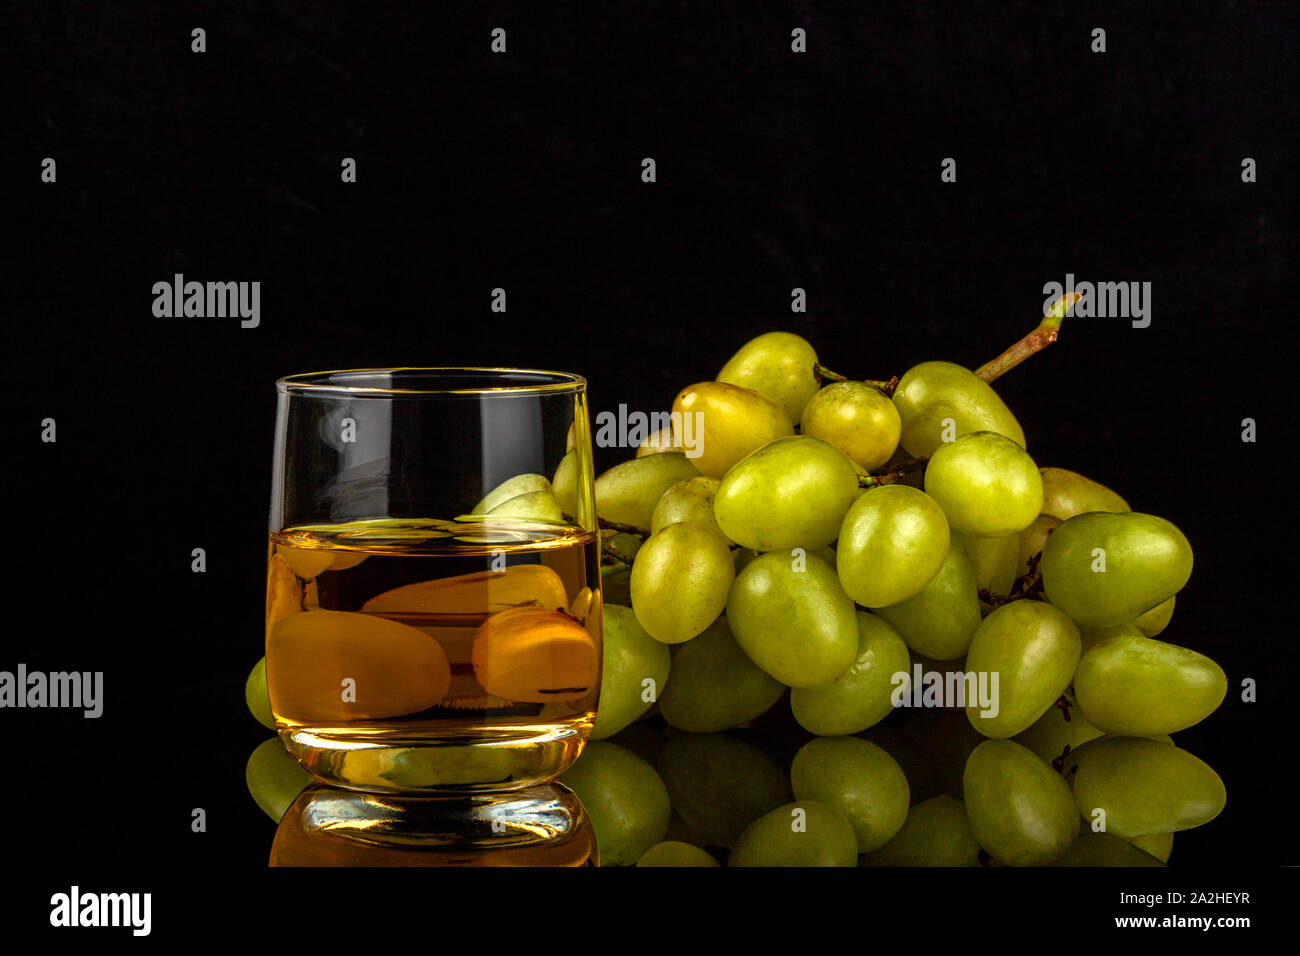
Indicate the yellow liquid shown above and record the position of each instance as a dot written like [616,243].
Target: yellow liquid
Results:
[434,656]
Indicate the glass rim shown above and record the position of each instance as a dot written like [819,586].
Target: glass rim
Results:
[334,382]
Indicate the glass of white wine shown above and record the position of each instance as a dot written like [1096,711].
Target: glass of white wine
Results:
[433,609]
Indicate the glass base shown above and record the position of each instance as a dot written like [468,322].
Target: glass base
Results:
[464,763]
[538,826]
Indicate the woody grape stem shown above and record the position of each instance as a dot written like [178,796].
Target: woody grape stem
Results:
[1040,338]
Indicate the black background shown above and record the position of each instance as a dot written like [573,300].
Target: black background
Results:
[475,170]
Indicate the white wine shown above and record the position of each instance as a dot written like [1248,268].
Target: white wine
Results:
[434,655]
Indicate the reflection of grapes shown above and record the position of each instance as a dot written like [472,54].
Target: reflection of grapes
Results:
[719,785]
[274,778]
[857,778]
[625,799]
[936,833]
[675,853]
[1042,578]
[806,833]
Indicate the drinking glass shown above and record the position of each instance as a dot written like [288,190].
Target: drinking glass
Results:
[433,609]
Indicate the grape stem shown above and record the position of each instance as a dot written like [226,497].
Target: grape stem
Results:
[1028,585]
[1043,335]
[1065,704]
[897,473]
[822,372]
[1058,763]
[625,528]
[1037,340]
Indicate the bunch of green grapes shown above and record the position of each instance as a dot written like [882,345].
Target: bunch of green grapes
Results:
[820,541]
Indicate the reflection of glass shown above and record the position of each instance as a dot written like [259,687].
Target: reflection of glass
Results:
[537,826]
[433,587]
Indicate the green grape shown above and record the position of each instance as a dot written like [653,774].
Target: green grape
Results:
[733,422]
[565,483]
[936,833]
[1019,808]
[1145,786]
[690,500]
[893,541]
[715,686]
[511,488]
[986,484]
[719,785]
[274,778]
[792,618]
[255,695]
[412,768]
[1155,620]
[1104,569]
[628,492]
[742,557]
[857,778]
[1136,686]
[856,418]
[805,833]
[1068,493]
[631,658]
[777,365]
[993,561]
[862,473]
[1104,849]
[674,853]
[1091,636]
[680,580]
[932,393]
[1069,763]
[1051,734]
[624,798]
[1032,540]
[538,505]
[616,583]
[1158,845]
[1033,648]
[941,619]
[658,441]
[861,696]
[791,493]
